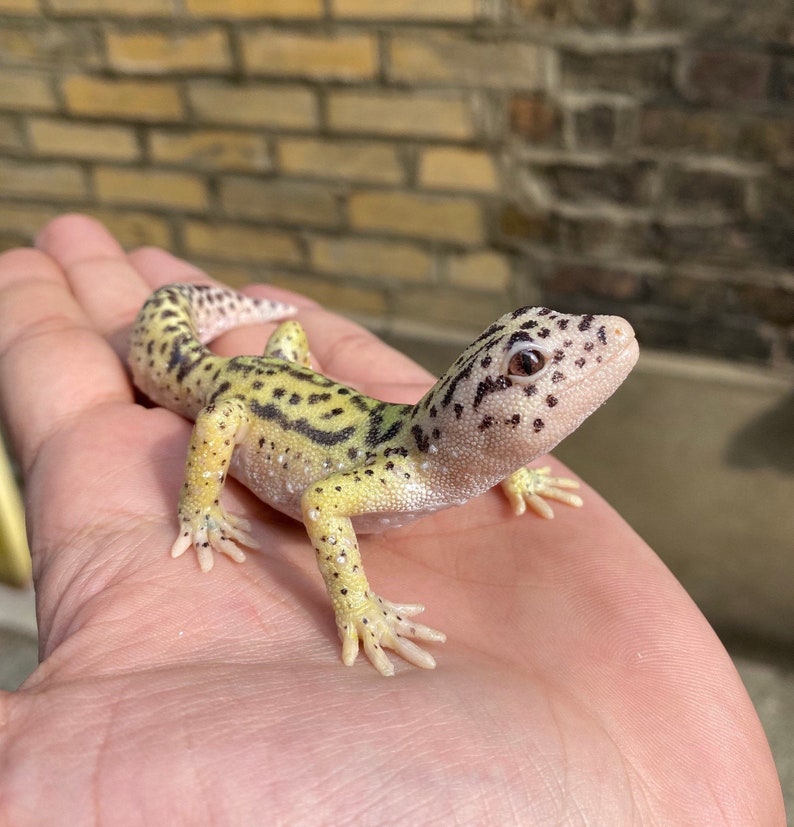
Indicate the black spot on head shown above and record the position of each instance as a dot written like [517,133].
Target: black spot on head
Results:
[602,335]
[588,346]
[530,390]
[486,423]
[494,328]
[580,362]
[295,399]
[518,336]
[544,333]
[458,408]
[529,325]
[557,376]
[490,385]
[279,392]
[563,323]
[522,311]
[544,311]
[486,362]
[585,323]
[551,401]
[538,425]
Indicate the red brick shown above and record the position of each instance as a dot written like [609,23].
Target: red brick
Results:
[536,118]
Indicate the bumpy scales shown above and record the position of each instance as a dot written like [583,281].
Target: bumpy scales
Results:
[342,462]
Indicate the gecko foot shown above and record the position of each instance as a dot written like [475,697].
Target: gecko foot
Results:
[529,487]
[380,624]
[213,529]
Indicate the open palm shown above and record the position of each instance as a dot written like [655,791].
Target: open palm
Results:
[579,684]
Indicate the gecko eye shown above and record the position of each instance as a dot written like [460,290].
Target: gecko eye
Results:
[526,362]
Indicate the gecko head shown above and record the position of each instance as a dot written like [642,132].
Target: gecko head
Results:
[529,380]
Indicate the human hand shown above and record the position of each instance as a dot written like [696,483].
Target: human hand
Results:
[579,683]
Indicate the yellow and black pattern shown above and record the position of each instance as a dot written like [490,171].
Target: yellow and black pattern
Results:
[342,462]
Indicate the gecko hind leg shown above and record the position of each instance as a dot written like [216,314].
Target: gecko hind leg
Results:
[221,532]
[288,341]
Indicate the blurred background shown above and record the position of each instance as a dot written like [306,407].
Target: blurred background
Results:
[424,167]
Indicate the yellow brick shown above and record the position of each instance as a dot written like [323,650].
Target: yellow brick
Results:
[211,149]
[340,57]
[346,160]
[405,9]
[124,8]
[481,270]
[21,89]
[401,113]
[370,257]
[54,136]
[53,45]
[236,243]
[343,297]
[464,62]
[458,169]
[258,9]
[10,134]
[291,202]
[277,107]
[25,220]
[135,229]
[155,52]
[149,187]
[42,180]
[147,100]
[403,213]
[235,275]
[19,6]
[450,308]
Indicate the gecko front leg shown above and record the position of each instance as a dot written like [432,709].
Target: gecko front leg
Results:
[529,487]
[361,615]
[204,523]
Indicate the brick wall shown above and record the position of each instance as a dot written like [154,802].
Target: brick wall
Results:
[427,165]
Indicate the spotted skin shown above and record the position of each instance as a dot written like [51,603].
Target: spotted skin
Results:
[344,463]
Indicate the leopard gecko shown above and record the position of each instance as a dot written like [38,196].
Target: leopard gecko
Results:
[344,463]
